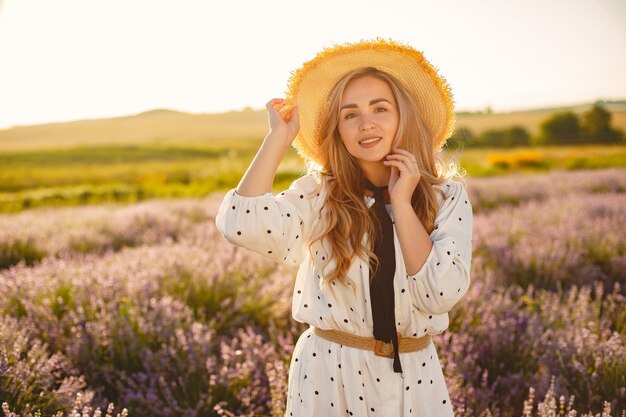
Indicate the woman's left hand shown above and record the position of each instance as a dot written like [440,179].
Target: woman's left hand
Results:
[405,175]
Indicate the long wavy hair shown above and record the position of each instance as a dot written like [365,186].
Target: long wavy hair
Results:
[346,217]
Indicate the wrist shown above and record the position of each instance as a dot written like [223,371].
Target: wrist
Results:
[399,207]
[279,136]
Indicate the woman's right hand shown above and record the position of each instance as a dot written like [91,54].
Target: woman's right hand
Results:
[281,122]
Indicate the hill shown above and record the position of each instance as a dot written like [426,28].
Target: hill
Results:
[163,126]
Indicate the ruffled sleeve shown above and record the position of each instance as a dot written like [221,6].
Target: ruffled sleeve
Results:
[273,226]
[445,276]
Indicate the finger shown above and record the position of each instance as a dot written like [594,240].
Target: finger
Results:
[273,102]
[400,165]
[403,152]
[404,158]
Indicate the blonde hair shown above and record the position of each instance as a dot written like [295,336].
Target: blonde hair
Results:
[344,210]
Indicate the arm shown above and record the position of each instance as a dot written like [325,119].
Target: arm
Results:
[251,217]
[444,276]
[414,240]
[260,175]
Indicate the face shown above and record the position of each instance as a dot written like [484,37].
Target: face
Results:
[368,121]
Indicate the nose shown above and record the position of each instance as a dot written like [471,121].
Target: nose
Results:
[366,123]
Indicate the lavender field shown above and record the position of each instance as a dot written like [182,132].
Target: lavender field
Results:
[145,310]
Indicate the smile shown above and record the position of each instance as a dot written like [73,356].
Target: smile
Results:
[370,142]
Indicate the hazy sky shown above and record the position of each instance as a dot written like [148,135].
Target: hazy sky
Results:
[74,59]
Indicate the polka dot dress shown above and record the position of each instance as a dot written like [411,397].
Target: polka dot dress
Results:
[329,379]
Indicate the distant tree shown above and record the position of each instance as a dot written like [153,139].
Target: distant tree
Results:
[596,125]
[504,138]
[518,136]
[461,137]
[560,128]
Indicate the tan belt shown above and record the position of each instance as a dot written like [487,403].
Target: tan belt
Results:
[405,344]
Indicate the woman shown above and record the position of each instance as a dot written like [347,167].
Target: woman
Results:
[379,227]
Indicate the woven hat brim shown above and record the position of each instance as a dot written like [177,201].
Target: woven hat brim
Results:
[309,87]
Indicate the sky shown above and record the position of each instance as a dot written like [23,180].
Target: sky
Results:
[64,60]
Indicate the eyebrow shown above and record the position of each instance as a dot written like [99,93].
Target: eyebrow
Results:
[376,100]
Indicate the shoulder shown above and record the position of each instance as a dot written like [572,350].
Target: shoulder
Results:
[453,191]
[307,183]
[304,191]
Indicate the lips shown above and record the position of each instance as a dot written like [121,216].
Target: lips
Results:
[370,139]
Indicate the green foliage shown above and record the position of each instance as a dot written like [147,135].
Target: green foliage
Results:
[12,252]
[593,126]
[596,125]
[561,128]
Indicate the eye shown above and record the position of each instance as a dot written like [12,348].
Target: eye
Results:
[381,108]
[349,115]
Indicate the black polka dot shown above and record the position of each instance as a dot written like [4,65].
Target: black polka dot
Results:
[233,207]
[459,219]
[360,397]
[377,379]
[266,208]
[269,251]
[301,196]
[288,215]
[306,305]
[427,296]
[238,232]
[441,293]
[317,393]
[430,317]
[407,387]
[345,320]
[448,252]
[299,291]
[403,290]
[314,354]
[330,305]
[423,363]
[437,263]
[372,409]
[444,401]
[419,381]
[247,211]
[269,231]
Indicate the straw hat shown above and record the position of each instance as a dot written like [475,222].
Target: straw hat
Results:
[310,85]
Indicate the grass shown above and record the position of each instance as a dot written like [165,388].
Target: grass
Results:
[126,174]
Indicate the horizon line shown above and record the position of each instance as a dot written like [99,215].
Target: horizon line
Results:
[250,108]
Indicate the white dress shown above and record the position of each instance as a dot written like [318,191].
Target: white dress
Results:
[329,379]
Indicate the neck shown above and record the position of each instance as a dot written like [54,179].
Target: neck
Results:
[376,173]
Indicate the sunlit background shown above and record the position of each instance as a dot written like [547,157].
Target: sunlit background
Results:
[73,59]
[124,124]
